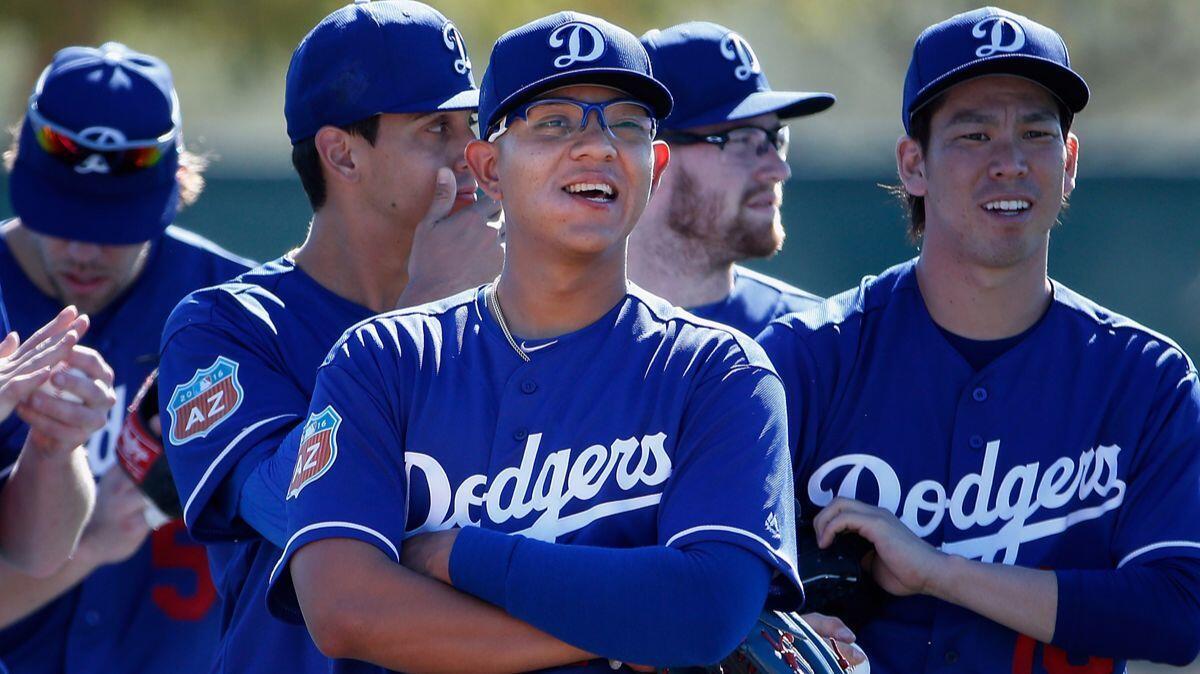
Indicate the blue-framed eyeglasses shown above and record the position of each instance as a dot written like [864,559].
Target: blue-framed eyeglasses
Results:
[624,119]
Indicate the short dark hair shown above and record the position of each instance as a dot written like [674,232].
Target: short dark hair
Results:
[307,161]
[920,130]
[914,206]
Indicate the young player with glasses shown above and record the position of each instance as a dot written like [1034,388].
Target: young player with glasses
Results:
[519,477]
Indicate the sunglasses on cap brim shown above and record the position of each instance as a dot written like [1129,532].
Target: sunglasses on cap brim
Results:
[119,155]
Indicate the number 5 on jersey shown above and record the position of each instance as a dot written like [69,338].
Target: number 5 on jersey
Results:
[211,396]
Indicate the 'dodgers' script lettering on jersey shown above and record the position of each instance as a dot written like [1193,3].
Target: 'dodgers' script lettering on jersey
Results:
[625,464]
[979,501]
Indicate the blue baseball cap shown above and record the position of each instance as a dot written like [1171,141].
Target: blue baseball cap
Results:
[563,49]
[99,148]
[715,77]
[369,58]
[990,41]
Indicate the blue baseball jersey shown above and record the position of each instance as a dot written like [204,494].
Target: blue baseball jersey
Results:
[157,611]
[238,367]
[648,427]
[1078,448]
[755,301]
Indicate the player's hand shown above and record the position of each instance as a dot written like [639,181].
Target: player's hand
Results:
[61,421]
[118,525]
[831,627]
[24,366]
[902,563]
[429,554]
[453,250]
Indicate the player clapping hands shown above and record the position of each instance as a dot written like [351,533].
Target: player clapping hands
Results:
[63,392]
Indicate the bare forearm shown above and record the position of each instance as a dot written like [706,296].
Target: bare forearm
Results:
[395,618]
[24,594]
[43,509]
[1020,598]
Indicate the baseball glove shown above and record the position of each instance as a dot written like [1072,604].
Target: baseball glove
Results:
[780,643]
[140,452]
[834,580]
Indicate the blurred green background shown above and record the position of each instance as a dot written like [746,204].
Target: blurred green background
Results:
[1128,240]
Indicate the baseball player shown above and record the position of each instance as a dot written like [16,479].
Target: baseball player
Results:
[46,490]
[379,105]
[521,476]
[1024,461]
[719,203]
[96,179]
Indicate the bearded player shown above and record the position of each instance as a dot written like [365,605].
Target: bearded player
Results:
[1025,462]
[541,452]
[379,106]
[719,203]
[97,178]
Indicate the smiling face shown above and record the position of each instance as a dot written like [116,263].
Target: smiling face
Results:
[578,194]
[727,200]
[995,173]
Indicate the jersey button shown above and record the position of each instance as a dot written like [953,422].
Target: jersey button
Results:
[975,441]
[979,394]
[91,617]
[520,434]
[528,386]
[951,657]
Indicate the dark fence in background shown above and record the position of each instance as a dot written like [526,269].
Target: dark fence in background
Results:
[1130,244]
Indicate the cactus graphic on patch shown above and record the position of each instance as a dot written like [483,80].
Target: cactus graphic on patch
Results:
[211,396]
[318,449]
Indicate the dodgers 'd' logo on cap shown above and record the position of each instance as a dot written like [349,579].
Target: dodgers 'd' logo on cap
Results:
[583,41]
[318,449]
[454,42]
[735,48]
[1005,36]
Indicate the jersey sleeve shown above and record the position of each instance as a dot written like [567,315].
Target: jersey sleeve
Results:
[349,480]
[1160,516]
[225,405]
[732,479]
[797,369]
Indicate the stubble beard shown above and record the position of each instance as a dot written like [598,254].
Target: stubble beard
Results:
[698,217]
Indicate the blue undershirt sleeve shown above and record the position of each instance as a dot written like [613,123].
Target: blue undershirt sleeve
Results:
[1145,612]
[263,492]
[660,606]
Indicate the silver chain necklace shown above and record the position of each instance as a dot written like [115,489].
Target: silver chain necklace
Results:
[493,304]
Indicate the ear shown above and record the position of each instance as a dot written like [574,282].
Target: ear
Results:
[910,165]
[335,149]
[483,159]
[662,157]
[1072,164]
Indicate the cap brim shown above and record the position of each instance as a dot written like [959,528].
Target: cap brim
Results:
[642,87]
[1060,81]
[786,104]
[467,99]
[463,100]
[119,219]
